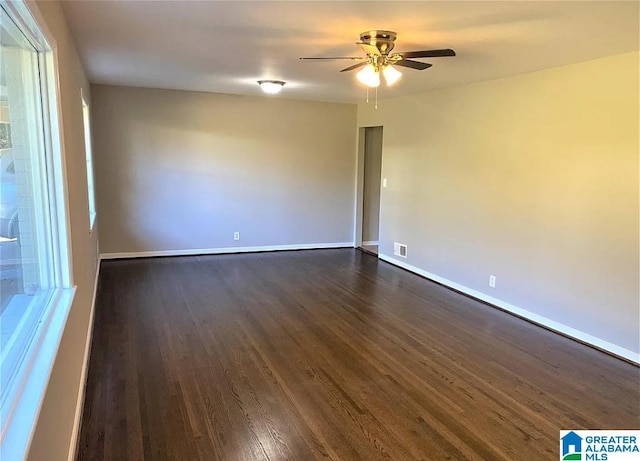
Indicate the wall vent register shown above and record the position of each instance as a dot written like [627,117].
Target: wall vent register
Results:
[400,249]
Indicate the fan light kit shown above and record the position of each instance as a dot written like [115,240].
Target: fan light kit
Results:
[271,86]
[377,44]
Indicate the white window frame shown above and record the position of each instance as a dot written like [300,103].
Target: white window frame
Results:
[33,375]
[88,153]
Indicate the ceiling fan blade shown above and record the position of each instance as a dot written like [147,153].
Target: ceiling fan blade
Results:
[428,53]
[355,66]
[369,49]
[412,64]
[340,57]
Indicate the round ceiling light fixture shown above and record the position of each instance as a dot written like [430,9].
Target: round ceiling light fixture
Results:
[271,86]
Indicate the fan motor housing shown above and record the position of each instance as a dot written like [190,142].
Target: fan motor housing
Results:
[381,39]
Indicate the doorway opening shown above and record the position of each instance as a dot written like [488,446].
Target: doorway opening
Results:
[371,178]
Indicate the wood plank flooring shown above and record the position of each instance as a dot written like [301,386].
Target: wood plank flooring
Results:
[329,355]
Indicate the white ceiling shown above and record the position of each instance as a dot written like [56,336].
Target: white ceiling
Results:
[225,46]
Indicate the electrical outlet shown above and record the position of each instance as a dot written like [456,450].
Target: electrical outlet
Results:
[492,281]
[236,236]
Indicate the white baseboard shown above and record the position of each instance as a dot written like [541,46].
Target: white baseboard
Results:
[216,251]
[73,445]
[370,242]
[535,318]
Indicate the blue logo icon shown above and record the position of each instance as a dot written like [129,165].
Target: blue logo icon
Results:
[571,447]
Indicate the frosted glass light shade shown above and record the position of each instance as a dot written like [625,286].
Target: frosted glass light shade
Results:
[391,74]
[369,76]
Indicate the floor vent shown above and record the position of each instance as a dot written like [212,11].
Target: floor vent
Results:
[400,249]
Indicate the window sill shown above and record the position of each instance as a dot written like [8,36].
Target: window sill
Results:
[35,372]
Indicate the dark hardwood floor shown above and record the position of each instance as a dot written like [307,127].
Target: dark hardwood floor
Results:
[331,355]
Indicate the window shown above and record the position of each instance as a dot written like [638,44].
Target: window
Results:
[35,278]
[88,152]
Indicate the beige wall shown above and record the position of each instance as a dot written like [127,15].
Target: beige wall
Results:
[532,178]
[53,432]
[179,170]
[372,169]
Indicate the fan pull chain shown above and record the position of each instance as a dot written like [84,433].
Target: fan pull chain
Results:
[367,94]
[376,98]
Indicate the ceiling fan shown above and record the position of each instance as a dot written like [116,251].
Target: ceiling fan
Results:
[378,44]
